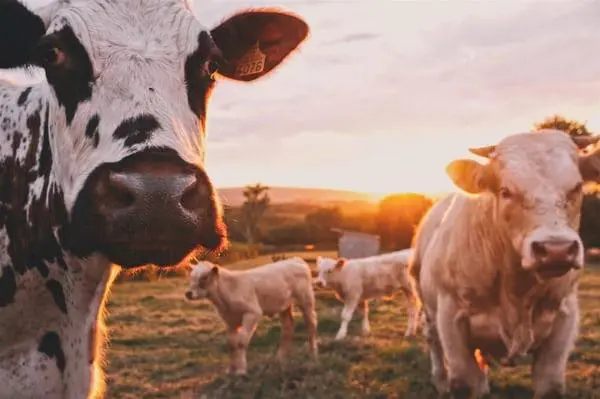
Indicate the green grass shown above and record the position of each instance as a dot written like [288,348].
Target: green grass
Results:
[263,259]
[163,347]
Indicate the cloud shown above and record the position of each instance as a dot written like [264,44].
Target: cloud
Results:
[405,74]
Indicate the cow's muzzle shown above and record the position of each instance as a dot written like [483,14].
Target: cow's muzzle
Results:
[553,257]
[151,208]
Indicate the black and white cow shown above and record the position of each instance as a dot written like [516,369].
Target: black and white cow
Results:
[103,164]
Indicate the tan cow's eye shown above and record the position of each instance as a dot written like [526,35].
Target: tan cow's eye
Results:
[576,190]
[505,193]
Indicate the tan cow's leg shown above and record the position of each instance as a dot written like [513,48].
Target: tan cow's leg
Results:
[363,307]
[347,312]
[550,359]
[465,377]
[439,376]
[287,331]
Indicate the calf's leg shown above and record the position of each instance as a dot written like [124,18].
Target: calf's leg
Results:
[307,306]
[550,359]
[414,310]
[347,312]
[363,307]
[239,340]
[466,379]
[287,331]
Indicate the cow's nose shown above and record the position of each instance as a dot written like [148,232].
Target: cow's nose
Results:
[179,194]
[152,207]
[555,252]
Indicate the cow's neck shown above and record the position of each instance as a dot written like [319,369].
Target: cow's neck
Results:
[522,297]
[32,208]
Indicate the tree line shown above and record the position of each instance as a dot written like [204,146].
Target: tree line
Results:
[394,218]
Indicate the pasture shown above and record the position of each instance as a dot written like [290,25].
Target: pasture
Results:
[163,347]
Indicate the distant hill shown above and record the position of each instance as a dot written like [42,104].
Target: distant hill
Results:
[233,196]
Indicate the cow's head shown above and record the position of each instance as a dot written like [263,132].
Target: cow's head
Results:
[203,280]
[328,270]
[536,179]
[128,83]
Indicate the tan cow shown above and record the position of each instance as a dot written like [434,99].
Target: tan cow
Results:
[355,281]
[241,298]
[497,269]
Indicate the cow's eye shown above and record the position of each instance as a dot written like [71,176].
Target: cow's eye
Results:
[505,193]
[576,190]
[212,67]
[49,55]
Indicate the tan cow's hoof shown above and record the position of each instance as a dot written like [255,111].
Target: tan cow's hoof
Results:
[440,383]
[459,389]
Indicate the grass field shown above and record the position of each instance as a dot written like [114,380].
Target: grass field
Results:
[163,347]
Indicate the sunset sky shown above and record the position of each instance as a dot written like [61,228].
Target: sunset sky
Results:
[385,93]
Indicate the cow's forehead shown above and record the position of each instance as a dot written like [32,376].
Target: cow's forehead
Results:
[200,269]
[533,159]
[148,28]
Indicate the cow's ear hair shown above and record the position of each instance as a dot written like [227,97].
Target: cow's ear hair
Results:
[341,262]
[589,166]
[20,32]
[254,42]
[470,176]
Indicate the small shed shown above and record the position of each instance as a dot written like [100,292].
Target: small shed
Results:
[355,244]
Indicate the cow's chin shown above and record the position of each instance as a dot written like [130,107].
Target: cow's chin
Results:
[554,270]
[135,247]
[131,256]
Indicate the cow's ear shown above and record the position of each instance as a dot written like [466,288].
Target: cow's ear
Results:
[255,42]
[20,32]
[470,176]
[340,263]
[214,271]
[589,166]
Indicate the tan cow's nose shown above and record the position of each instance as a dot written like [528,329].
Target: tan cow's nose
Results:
[555,253]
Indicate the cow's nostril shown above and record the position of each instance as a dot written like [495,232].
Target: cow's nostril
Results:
[573,248]
[195,196]
[538,248]
[113,193]
[188,295]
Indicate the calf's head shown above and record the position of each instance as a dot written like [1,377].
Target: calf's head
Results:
[125,100]
[328,271]
[536,181]
[203,279]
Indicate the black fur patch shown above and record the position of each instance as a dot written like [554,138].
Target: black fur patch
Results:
[71,82]
[91,130]
[20,31]
[58,294]
[50,345]
[136,130]
[8,286]
[23,96]
[29,224]
[198,84]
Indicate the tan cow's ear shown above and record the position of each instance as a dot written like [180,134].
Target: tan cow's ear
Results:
[584,141]
[215,271]
[340,263]
[469,175]
[589,166]
[486,152]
